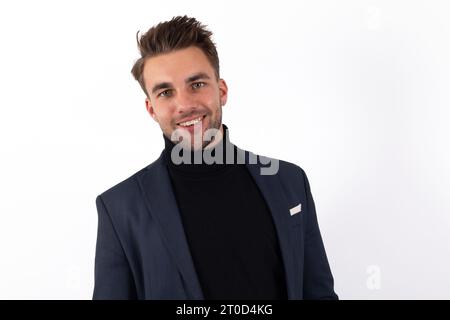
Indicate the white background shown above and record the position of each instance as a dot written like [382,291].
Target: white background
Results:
[354,92]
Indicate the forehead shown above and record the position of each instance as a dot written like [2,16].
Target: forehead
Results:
[176,66]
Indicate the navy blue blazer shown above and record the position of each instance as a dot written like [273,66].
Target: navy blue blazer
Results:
[142,251]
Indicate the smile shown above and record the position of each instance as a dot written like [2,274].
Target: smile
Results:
[191,122]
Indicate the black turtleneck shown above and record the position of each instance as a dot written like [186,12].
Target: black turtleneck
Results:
[228,227]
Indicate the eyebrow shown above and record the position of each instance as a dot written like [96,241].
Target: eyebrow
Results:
[197,76]
[165,85]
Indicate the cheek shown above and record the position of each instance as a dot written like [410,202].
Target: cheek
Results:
[211,99]
[164,111]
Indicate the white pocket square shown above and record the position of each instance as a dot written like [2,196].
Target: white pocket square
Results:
[296,209]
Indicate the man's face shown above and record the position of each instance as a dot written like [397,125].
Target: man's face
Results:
[182,86]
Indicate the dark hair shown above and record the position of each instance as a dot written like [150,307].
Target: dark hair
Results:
[179,33]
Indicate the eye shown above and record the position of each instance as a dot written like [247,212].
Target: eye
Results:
[198,85]
[165,93]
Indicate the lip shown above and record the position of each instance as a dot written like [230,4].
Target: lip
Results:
[189,119]
[192,129]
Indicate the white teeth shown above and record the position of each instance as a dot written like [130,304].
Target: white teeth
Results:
[190,122]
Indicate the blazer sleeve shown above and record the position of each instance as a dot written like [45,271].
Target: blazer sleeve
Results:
[318,281]
[113,277]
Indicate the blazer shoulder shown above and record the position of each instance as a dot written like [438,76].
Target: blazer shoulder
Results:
[286,170]
[127,186]
[291,168]
[291,173]
[291,176]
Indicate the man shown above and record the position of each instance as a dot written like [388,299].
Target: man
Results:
[186,227]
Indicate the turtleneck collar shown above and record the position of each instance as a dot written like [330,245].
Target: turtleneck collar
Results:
[202,167]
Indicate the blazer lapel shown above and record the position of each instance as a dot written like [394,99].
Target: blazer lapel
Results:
[162,205]
[272,192]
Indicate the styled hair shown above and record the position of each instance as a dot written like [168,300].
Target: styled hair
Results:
[179,33]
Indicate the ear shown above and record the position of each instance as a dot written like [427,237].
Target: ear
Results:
[223,92]
[150,109]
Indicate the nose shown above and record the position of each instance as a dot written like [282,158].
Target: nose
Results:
[185,102]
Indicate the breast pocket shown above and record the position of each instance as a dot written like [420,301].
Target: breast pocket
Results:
[296,215]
